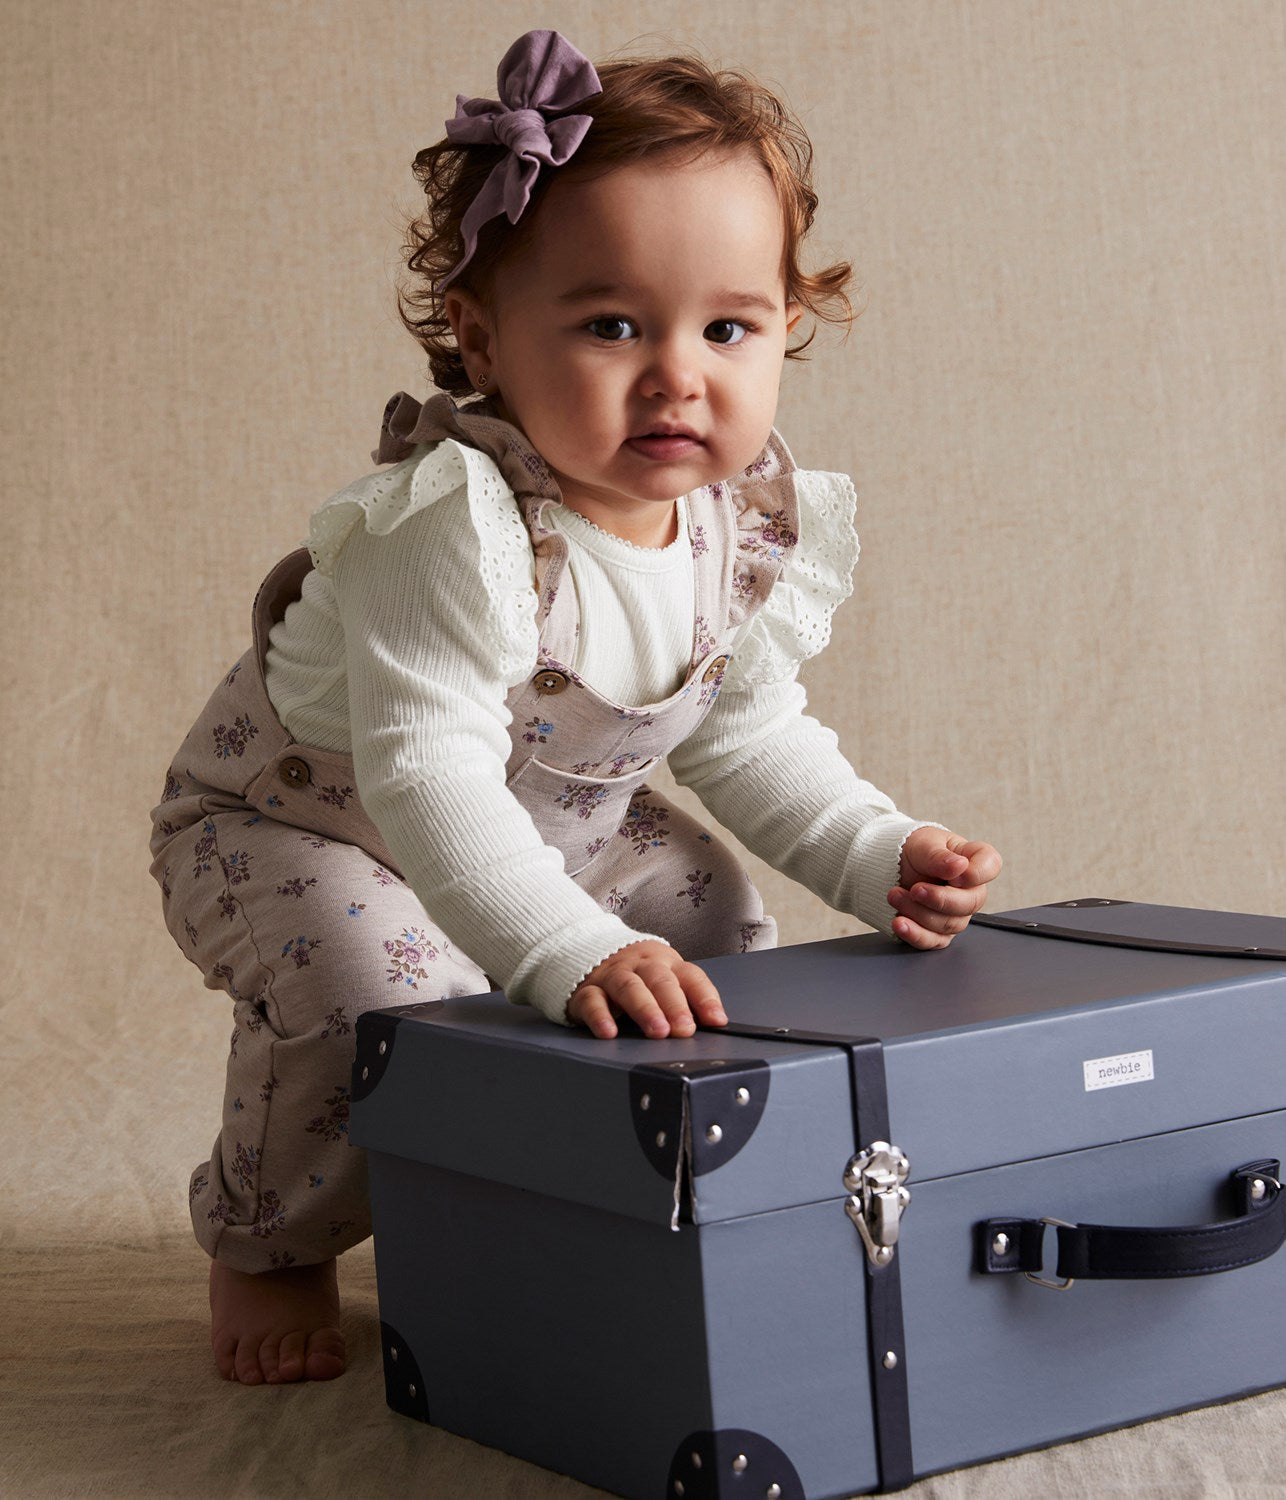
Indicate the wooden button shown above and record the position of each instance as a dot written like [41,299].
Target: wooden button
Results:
[715,667]
[294,772]
[550,681]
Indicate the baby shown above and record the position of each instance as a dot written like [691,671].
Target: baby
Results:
[430,770]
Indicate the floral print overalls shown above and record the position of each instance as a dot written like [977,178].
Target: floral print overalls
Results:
[278,886]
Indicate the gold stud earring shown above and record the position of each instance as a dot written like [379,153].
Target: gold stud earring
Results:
[481,381]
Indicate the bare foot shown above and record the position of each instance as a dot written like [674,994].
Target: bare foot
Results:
[276,1326]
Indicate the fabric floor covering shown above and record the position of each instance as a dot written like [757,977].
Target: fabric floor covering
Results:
[106,1388]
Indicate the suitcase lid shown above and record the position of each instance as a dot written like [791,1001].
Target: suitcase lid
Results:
[1044,1030]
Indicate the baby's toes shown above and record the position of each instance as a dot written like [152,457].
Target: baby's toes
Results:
[325,1358]
[282,1360]
[245,1363]
[225,1352]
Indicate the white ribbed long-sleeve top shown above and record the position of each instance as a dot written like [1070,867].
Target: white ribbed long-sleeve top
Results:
[420,617]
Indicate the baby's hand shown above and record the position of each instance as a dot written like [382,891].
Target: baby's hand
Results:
[944,881]
[653,985]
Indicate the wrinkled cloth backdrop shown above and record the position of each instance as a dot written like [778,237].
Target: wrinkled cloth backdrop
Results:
[1063,408]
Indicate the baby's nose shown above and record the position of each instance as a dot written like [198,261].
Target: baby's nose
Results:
[674,372]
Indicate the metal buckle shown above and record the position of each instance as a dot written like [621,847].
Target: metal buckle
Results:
[1054,1286]
[875,1179]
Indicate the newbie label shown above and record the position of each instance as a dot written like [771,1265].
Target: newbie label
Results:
[1108,1072]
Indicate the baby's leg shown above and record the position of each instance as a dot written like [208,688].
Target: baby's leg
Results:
[663,873]
[305,934]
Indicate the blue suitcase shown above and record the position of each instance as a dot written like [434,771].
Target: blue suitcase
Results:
[909,1211]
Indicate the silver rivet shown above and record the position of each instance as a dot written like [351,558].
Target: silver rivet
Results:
[714,1135]
[773,1492]
[1250,950]
[781,1030]
[740,1463]
[884,1255]
[645,1102]
[890,1361]
[1258,1189]
[1031,924]
[660,1137]
[678,1487]
[392,1353]
[413,1391]
[742,1096]
[383,1048]
[1000,1245]
[696,1460]
[366,1073]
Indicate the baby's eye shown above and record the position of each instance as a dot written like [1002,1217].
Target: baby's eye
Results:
[725,331]
[612,330]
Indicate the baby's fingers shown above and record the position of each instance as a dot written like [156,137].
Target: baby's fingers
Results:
[596,1006]
[654,1000]
[589,1007]
[948,900]
[984,863]
[933,922]
[916,936]
[661,998]
[702,996]
[652,984]
[683,996]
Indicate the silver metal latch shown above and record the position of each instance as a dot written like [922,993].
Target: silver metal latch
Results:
[878,1197]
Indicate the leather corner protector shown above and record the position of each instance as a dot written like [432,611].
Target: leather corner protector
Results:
[726,1103]
[656,1109]
[376,1034]
[732,1461]
[403,1383]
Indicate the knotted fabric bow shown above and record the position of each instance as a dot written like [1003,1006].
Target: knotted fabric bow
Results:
[541,75]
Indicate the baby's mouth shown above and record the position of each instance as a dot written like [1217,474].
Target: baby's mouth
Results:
[664,446]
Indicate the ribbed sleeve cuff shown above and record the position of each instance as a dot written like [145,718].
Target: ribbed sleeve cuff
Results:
[555,967]
[875,867]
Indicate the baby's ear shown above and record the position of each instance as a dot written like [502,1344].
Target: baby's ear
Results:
[466,316]
[472,329]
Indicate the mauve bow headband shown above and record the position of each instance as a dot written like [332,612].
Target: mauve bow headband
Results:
[541,75]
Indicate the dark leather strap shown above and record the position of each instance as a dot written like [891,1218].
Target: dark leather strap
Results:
[885,1338]
[1112,1252]
[1122,939]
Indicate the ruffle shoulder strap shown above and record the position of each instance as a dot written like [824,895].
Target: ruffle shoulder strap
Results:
[427,471]
[802,520]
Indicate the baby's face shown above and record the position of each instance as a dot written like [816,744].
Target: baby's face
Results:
[639,344]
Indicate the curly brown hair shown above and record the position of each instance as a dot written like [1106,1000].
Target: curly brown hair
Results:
[648,107]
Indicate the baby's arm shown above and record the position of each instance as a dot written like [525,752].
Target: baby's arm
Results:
[776,778]
[430,744]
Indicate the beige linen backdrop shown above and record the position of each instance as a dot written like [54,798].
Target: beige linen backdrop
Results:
[1063,408]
